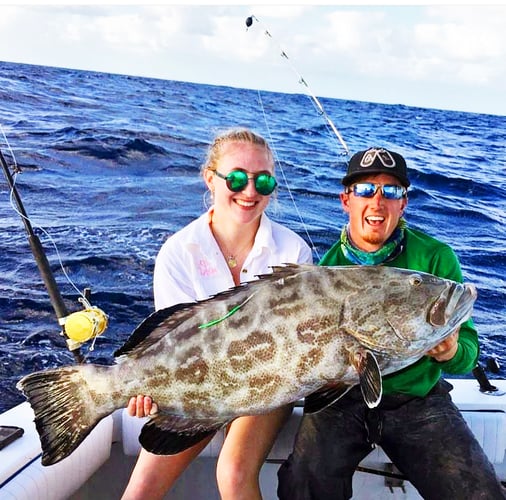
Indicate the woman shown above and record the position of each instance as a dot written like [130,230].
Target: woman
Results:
[231,243]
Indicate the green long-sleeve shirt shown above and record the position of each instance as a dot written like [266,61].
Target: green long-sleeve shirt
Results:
[423,253]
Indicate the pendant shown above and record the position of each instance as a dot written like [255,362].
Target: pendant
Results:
[231,261]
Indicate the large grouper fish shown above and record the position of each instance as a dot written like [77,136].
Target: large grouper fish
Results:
[251,349]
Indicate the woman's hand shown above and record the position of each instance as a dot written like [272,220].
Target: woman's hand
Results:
[141,406]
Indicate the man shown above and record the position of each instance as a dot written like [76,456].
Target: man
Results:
[416,423]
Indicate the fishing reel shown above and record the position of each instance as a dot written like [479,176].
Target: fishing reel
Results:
[81,326]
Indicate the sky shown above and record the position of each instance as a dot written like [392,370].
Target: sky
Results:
[450,56]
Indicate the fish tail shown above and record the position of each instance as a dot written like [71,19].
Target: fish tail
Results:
[65,412]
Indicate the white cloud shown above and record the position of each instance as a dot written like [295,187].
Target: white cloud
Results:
[464,44]
[462,41]
[469,42]
[362,52]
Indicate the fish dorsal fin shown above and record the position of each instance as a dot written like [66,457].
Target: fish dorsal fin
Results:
[319,400]
[160,323]
[167,435]
[370,377]
[286,270]
[169,317]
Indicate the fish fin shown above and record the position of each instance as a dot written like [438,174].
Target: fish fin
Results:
[370,377]
[64,415]
[324,397]
[149,332]
[162,322]
[168,435]
[286,270]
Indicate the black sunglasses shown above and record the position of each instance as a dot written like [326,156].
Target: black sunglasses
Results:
[237,180]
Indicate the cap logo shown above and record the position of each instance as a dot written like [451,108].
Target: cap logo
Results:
[383,156]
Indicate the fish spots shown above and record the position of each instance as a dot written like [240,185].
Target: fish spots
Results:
[287,310]
[194,369]
[317,329]
[257,347]
[286,298]
[361,314]
[195,402]
[159,377]
[265,385]
[308,362]
[227,384]
[237,320]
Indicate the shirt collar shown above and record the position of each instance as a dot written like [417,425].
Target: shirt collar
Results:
[264,238]
[202,236]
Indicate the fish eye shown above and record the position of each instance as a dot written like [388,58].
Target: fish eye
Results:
[415,280]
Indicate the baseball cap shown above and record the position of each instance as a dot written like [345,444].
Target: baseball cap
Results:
[376,161]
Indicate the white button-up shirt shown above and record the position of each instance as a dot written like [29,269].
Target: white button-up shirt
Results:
[190,265]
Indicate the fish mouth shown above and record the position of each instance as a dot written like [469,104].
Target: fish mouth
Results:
[453,306]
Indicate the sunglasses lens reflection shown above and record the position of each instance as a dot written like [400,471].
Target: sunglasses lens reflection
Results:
[393,192]
[364,190]
[265,184]
[237,180]
[389,191]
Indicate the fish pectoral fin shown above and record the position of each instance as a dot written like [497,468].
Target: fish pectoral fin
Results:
[324,397]
[168,435]
[370,377]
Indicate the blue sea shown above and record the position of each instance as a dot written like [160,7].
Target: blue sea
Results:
[110,168]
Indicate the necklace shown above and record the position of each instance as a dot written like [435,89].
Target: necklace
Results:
[233,258]
[231,261]
[230,258]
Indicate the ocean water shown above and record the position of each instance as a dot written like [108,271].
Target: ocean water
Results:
[110,168]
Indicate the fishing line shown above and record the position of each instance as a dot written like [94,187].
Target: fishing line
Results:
[48,236]
[320,110]
[79,326]
[15,167]
[285,179]
[302,81]
[228,314]
[16,170]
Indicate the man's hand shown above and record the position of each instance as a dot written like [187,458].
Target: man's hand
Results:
[141,406]
[446,349]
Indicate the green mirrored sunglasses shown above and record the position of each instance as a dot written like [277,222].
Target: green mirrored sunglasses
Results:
[237,180]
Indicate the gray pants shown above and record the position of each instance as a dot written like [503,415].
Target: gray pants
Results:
[426,438]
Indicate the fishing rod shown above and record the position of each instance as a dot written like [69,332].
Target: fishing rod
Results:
[302,80]
[79,326]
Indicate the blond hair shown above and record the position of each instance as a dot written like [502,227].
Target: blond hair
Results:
[233,135]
